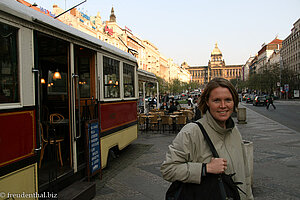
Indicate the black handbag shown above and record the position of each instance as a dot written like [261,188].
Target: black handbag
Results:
[212,186]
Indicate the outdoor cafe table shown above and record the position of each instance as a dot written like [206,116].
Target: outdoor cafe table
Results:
[177,113]
[152,113]
[147,119]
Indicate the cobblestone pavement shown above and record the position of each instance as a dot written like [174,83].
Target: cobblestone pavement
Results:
[135,174]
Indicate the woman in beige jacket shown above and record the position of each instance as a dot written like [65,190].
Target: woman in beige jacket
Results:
[189,157]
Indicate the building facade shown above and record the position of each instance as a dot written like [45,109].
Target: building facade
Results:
[290,54]
[148,56]
[266,51]
[216,68]
[246,68]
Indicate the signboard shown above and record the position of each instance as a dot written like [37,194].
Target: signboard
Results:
[93,147]
[286,87]
[108,30]
[296,93]
[150,85]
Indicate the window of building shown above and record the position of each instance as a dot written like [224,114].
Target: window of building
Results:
[111,73]
[128,73]
[9,72]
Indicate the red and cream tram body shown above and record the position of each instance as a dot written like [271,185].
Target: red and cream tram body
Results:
[53,79]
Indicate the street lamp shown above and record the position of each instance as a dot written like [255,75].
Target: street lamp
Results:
[280,68]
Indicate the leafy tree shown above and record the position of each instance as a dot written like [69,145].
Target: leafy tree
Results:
[175,86]
[238,84]
[163,85]
[266,80]
[289,77]
[193,85]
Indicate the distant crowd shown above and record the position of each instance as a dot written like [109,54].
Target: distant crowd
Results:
[169,105]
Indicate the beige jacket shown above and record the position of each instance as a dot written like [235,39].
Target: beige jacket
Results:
[189,150]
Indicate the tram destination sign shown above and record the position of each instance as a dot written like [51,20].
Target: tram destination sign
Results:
[93,148]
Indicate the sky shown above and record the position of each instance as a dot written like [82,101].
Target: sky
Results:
[187,30]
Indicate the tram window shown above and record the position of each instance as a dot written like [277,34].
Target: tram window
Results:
[111,79]
[57,85]
[84,77]
[9,72]
[128,73]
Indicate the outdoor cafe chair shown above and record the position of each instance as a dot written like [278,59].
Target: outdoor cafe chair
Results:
[180,121]
[56,118]
[153,122]
[45,141]
[189,115]
[142,122]
[166,120]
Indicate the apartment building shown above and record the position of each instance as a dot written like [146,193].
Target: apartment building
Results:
[290,52]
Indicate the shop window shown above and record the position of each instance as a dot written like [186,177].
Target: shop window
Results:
[111,79]
[9,72]
[128,73]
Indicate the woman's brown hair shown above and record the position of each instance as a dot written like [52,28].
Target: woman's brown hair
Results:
[214,83]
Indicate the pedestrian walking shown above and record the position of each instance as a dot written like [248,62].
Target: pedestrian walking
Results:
[190,102]
[189,158]
[270,102]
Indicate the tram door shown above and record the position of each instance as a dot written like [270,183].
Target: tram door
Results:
[86,104]
[52,60]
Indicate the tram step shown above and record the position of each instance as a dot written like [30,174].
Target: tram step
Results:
[80,190]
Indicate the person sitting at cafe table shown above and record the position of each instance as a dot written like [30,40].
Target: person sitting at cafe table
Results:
[177,104]
[172,107]
[164,106]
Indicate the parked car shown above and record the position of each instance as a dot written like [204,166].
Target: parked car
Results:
[171,97]
[250,98]
[177,97]
[245,96]
[184,96]
[260,100]
[148,98]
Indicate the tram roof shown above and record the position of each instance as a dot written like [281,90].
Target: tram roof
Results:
[146,76]
[17,9]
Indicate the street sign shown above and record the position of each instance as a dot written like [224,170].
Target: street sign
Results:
[93,154]
[286,87]
[296,93]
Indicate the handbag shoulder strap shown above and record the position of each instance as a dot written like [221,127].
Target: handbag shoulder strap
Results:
[209,142]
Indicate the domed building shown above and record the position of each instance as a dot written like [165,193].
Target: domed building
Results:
[216,63]
[216,68]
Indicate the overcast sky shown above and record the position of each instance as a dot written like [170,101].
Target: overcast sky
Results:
[187,30]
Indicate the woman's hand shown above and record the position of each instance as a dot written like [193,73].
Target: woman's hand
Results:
[216,166]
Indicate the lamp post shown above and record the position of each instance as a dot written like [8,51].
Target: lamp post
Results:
[280,68]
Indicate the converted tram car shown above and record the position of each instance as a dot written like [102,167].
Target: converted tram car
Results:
[54,79]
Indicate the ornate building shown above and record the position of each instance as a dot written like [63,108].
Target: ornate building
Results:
[290,53]
[148,56]
[265,53]
[216,68]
